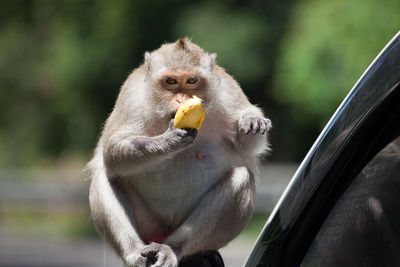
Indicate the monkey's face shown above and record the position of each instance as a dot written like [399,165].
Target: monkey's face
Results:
[178,86]
[176,72]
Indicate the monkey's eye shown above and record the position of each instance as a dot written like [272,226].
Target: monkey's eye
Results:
[170,80]
[192,80]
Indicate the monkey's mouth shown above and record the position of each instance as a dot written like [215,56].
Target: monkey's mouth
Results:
[173,114]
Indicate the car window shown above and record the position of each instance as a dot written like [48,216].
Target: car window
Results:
[363,229]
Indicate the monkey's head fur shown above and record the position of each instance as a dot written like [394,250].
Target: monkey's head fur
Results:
[176,72]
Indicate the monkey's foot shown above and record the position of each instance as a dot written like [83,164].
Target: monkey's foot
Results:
[209,258]
[158,255]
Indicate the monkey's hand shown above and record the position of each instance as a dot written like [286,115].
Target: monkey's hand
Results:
[153,255]
[254,125]
[179,138]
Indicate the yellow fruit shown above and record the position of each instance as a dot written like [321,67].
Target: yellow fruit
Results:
[190,114]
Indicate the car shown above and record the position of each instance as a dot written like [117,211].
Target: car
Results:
[342,206]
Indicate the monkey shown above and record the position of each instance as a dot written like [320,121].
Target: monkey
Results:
[159,194]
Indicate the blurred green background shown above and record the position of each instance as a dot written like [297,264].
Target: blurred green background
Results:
[62,63]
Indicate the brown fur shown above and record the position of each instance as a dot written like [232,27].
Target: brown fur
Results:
[181,43]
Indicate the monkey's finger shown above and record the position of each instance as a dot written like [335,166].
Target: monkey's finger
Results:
[161,260]
[171,124]
[269,124]
[181,132]
[150,251]
[264,126]
[246,127]
[150,255]
[255,126]
[165,258]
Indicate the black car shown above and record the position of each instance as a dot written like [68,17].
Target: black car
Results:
[342,207]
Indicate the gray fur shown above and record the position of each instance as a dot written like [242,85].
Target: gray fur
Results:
[146,178]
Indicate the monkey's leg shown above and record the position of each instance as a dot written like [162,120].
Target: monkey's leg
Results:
[110,215]
[220,216]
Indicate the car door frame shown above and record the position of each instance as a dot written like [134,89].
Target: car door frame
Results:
[364,123]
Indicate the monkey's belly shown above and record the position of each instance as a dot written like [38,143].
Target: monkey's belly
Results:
[173,189]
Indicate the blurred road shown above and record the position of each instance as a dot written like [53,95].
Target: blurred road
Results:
[23,252]
[54,191]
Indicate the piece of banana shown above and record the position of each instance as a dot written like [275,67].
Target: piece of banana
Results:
[190,114]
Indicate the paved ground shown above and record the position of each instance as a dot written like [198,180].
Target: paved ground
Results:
[53,192]
[24,252]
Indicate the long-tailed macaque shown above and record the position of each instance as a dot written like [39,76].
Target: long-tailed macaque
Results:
[159,194]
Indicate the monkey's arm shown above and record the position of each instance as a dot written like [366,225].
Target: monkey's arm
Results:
[110,216]
[248,123]
[127,153]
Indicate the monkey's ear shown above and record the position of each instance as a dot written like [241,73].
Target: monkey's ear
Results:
[208,61]
[181,43]
[147,57]
[213,60]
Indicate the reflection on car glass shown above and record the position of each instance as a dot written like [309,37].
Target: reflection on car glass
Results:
[363,228]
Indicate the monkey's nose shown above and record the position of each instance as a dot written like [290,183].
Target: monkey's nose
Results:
[180,100]
[181,97]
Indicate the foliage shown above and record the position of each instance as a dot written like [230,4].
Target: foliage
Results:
[62,62]
[61,66]
[327,48]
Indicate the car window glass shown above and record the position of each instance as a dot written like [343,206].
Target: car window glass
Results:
[363,229]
